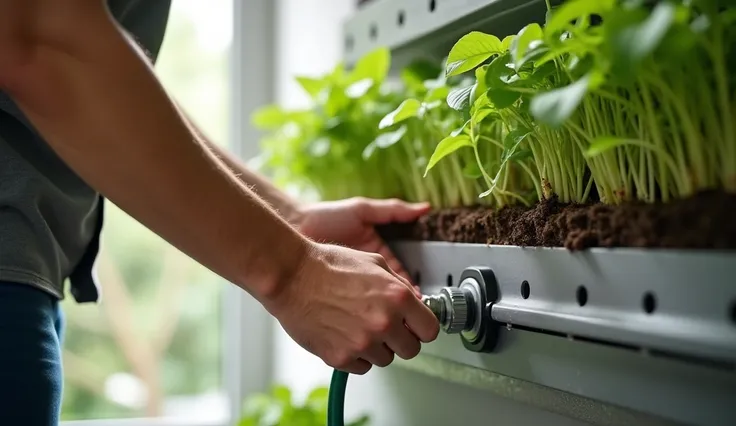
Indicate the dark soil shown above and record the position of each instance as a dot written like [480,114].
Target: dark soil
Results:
[705,221]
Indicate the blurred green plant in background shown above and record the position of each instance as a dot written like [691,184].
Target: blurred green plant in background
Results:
[159,320]
[278,408]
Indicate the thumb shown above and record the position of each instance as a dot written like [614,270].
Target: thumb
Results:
[392,210]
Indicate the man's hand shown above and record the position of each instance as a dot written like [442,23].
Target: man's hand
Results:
[351,310]
[352,223]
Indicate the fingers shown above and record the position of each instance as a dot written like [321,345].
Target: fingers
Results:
[378,246]
[359,367]
[379,355]
[420,319]
[392,210]
[403,342]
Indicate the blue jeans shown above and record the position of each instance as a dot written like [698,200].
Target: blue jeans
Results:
[31,326]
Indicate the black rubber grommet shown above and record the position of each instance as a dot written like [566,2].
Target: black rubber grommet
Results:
[490,330]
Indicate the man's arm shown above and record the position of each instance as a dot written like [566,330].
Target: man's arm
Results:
[287,207]
[66,77]
[95,100]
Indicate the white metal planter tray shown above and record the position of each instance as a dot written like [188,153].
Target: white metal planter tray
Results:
[398,24]
[644,331]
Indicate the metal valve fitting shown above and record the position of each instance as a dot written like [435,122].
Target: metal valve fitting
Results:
[452,307]
[464,309]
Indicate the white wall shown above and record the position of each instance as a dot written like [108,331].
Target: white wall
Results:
[308,43]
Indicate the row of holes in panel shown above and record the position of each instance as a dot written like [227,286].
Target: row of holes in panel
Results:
[649,299]
[373,30]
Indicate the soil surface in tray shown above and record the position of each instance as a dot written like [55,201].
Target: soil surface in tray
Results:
[707,220]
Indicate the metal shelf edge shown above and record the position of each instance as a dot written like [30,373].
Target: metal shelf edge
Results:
[675,362]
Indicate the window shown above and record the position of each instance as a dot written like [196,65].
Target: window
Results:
[153,348]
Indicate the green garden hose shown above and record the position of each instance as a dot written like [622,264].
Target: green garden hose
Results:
[336,399]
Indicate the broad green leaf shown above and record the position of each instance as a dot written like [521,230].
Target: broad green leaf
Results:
[482,114]
[269,117]
[520,154]
[459,98]
[506,42]
[574,9]
[470,51]
[529,35]
[408,109]
[514,138]
[554,107]
[499,72]
[635,42]
[336,102]
[472,170]
[374,65]
[446,147]
[359,88]
[383,141]
[480,103]
[480,84]
[312,86]
[503,98]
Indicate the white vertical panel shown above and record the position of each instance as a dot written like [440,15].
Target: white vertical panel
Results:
[247,337]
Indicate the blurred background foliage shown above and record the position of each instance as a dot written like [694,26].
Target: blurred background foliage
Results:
[152,347]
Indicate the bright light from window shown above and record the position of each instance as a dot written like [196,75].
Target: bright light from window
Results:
[152,347]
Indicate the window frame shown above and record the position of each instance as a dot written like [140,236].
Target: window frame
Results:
[246,325]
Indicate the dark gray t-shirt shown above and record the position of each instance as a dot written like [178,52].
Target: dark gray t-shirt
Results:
[50,220]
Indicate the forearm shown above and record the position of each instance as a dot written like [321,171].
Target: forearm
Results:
[99,106]
[287,207]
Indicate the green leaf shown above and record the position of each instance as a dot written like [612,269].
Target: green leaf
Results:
[507,41]
[480,103]
[520,154]
[556,106]
[470,51]
[635,42]
[574,9]
[359,88]
[529,35]
[408,109]
[482,114]
[503,98]
[374,65]
[383,141]
[362,421]
[460,129]
[446,147]
[312,86]
[499,72]
[438,93]
[603,144]
[317,399]
[459,98]
[515,137]
[472,170]
[319,147]
[269,117]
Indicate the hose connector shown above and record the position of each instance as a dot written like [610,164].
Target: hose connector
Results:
[452,307]
[464,309]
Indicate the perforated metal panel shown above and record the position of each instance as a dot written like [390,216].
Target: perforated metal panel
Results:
[655,334]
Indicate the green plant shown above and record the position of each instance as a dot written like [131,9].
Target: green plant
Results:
[610,100]
[278,408]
